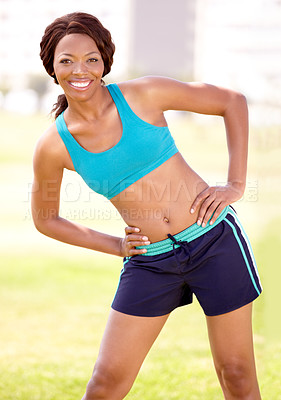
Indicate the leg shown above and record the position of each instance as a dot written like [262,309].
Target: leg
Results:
[125,344]
[231,343]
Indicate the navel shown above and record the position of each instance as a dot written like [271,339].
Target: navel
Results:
[165,219]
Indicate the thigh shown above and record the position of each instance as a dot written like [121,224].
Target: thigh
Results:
[125,344]
[231,340]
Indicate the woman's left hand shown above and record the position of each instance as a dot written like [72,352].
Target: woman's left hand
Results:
[213,200]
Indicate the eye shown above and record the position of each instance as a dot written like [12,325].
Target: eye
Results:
[65,61]
[93,59]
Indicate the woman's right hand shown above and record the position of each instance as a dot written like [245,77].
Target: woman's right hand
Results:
[132,239]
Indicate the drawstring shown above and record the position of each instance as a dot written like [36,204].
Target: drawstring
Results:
[174,240]
[184,245]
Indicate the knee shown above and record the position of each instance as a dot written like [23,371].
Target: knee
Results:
[236,378]
[106,384]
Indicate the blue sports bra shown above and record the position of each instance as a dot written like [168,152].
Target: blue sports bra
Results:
[141,149]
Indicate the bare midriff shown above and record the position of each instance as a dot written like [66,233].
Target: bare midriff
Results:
[160,202]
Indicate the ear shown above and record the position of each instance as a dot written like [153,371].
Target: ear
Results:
[53,75]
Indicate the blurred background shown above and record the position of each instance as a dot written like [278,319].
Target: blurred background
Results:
[49,290]
[235,44]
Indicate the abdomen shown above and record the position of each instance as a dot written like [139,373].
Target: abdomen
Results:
[160,202]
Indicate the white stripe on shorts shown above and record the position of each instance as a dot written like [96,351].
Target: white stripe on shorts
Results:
[243,233]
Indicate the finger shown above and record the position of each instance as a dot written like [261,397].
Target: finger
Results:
[209,212]
[217,213]
[199,198]
[138,243]
[132,237]
[134,252]
[131,229]
[204,207]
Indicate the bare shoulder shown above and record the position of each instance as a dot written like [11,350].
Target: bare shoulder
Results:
[50,151]
[147,90]
[166,93]
[157,91]
[146,85]
[48,145]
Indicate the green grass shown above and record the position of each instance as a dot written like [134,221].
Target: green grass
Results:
[53,311]
[54,299]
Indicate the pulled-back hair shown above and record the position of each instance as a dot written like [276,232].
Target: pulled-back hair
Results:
[77,22]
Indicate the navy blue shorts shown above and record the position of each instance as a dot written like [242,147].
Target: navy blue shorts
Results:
[216,263]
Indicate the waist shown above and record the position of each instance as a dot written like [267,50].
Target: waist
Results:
[160,202]
[191,233]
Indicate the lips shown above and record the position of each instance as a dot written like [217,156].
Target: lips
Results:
[80,84]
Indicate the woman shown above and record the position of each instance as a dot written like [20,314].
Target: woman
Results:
[182,235]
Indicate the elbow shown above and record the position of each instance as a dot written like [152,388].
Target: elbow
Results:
[42,223]
[239,98]
[40,226]
[237,102]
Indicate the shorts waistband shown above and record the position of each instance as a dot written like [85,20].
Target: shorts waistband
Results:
[191,233]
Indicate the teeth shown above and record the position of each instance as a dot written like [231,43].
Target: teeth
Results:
[80,84]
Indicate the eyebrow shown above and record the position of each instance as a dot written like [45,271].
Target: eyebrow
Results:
[71,55]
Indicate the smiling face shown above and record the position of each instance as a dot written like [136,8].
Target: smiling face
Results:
[78,66]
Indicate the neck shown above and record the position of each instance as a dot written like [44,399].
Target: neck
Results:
[90,109]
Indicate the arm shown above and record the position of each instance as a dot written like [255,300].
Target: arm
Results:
[214,199]
[169,94]
[48,173]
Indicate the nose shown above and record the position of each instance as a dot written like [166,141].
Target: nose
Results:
[79,68]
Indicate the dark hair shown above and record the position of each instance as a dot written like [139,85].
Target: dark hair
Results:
[77,22]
